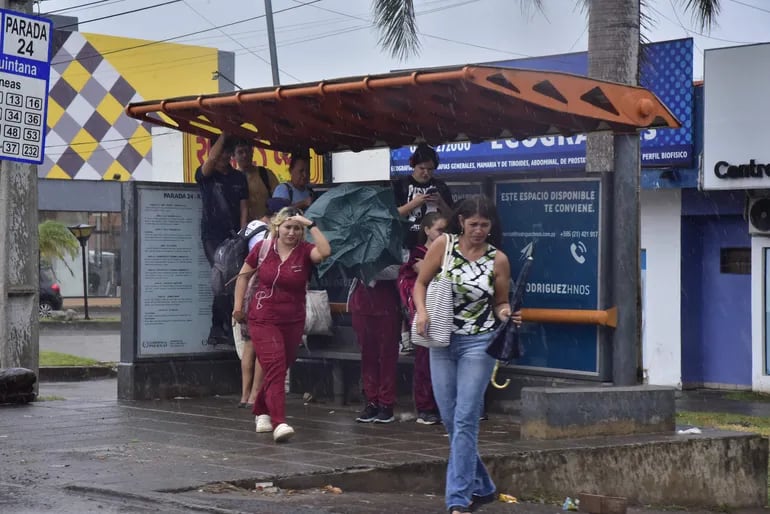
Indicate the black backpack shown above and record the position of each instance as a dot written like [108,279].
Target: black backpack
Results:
[228,260]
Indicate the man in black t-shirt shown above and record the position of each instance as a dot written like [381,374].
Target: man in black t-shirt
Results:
[421,193]
[225,193]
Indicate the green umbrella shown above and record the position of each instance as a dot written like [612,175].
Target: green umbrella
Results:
[363,227]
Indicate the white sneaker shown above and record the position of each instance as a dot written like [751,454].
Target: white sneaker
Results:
[282,433]
[263,423]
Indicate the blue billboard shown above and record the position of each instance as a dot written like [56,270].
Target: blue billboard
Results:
[666,70]
[560,219]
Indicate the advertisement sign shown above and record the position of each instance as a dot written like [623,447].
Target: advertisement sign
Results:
[24,76]
[174,289]
[463,190]
[196,149]
[666,70]
[735,150]
[558,220]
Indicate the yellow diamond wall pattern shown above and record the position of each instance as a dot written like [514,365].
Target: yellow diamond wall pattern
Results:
[89,135]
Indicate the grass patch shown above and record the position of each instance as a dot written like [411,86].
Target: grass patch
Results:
[94,321]
[64,359]
[747,396]
[50,398]
[725,421]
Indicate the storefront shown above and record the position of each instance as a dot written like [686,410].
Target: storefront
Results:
[728,225]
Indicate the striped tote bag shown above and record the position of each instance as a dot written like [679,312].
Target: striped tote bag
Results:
[440,306]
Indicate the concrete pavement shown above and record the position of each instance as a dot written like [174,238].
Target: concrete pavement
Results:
[80,450]
[83,451]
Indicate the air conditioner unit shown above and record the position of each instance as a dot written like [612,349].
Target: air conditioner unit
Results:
[759,215]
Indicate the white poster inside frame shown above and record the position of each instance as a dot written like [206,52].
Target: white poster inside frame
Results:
[736,150]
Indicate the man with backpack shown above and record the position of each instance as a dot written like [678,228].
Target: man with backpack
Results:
[297,191]
[262,181]
[224,192]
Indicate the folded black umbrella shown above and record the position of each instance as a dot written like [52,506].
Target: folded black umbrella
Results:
[505,343]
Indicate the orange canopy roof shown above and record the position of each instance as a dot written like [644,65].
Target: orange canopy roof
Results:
[436,105]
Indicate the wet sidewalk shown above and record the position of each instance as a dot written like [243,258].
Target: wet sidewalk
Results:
[80,450]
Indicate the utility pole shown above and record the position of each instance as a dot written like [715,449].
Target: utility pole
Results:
[271,42]
[613,54]
[19,287]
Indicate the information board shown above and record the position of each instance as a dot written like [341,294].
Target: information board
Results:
[174,290]
[559,220]
[24,75]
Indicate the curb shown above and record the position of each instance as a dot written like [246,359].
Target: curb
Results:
[75,373]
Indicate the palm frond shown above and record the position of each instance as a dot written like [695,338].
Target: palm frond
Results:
[397,24]
[704,12]
[56,242]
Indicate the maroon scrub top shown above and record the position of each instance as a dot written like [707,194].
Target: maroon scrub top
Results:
[280,292]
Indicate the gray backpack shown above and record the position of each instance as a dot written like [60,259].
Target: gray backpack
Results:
[228,260]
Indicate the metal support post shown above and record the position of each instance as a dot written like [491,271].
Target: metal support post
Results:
[626,279]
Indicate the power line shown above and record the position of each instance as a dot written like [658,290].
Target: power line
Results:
[152,43]
[423,33]
[750,5]
[701,34]
[115,15]
[679,20]
[81,6]
[105,148]
[238,42]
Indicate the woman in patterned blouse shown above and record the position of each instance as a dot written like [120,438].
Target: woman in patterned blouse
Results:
[460,372]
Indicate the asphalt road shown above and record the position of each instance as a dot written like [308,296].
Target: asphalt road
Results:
[104,346]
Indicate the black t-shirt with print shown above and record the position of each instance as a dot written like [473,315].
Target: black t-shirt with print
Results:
[405,190]
[221,194]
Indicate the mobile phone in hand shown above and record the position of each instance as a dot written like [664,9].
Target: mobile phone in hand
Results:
[431,190]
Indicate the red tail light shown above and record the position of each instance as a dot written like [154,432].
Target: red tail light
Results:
[55,288]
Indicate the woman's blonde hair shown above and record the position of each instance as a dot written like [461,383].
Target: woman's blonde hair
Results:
[280,217]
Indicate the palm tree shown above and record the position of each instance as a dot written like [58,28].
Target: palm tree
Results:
[397,23]
[614,40]
[56,242]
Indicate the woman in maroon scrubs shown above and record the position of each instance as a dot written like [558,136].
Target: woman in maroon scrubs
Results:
[276,314]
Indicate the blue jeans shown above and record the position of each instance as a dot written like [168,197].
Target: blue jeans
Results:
[460,374]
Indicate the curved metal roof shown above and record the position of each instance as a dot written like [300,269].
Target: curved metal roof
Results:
[437,105]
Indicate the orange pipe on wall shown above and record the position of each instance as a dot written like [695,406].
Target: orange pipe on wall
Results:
[607,318]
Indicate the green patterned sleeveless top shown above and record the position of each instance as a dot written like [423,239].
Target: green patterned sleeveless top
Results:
[473,285]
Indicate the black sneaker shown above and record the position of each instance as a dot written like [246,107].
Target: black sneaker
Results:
[369,414]
[428,418]
[385,415]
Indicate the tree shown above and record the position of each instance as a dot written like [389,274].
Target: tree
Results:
[56,242]
[397,23]
[614,39]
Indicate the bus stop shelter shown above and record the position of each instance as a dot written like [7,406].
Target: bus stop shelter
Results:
[462,103]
